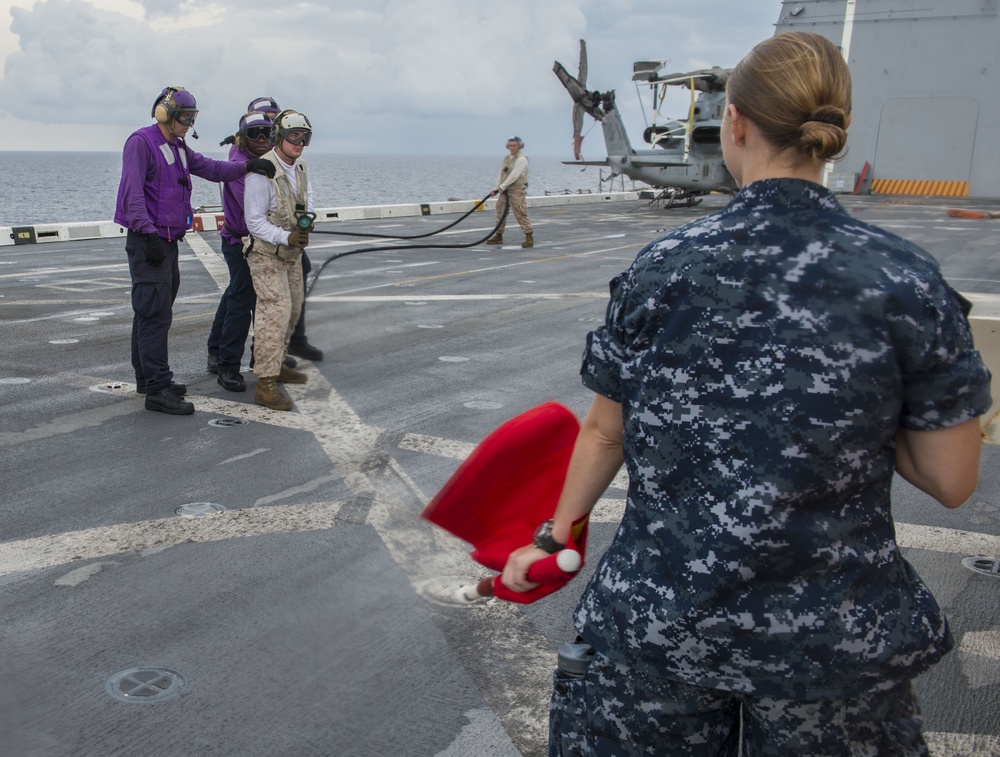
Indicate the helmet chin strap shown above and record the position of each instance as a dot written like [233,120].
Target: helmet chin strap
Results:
[171,127]
[287,158]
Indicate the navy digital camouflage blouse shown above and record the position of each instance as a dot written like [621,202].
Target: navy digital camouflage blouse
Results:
[764,356]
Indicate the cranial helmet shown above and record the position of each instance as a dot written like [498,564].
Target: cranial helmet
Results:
[264,105]
[291,120]
[173,102]
[254,120]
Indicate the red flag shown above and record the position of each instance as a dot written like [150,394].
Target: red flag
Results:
[508,485]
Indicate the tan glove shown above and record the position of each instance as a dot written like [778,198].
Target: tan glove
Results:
[298,238]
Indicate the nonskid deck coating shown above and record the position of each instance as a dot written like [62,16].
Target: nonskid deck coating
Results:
[300,617]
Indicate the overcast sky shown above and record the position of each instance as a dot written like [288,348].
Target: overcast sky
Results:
[436,77]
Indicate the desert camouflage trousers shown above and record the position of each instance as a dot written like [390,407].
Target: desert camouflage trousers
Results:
[279,288]
[518,206]
[617,711]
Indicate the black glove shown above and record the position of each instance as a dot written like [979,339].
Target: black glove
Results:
[298,238]
[155,249]
[261,166]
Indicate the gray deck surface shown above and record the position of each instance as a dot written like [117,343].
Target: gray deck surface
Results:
[307,619]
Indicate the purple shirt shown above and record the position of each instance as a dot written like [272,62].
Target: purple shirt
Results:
[154,195]
[232,201]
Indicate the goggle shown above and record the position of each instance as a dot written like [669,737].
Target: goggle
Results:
[257,133]
[187,117]
[298,137]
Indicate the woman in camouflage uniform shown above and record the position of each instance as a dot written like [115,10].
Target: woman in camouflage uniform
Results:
[762,372]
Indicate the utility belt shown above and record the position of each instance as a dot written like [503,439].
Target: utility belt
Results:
[281,251]
[173,237]
[232,232]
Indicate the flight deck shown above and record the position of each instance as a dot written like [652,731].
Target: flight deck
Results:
[250,582]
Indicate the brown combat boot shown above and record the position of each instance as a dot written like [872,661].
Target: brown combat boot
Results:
[269,394]
[495,239]
[291,376]
[529,240]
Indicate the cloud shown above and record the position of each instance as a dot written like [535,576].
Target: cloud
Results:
[426,75]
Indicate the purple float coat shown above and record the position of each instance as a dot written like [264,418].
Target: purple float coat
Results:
[232,200]
[155,190]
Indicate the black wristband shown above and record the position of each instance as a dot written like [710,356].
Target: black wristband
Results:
[543,538]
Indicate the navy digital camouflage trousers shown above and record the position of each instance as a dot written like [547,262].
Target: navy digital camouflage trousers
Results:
[617,711]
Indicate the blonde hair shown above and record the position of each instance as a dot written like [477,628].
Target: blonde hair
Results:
[796,88]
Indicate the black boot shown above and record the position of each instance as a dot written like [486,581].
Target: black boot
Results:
[213,362]
[231,381]
[305,350]
[165,401]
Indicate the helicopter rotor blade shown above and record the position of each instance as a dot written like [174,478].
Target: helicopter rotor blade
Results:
[578,110]
[703,80]
[646,70]
[589,101]
[577,131]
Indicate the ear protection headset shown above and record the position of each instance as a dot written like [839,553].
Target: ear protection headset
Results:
[163,107]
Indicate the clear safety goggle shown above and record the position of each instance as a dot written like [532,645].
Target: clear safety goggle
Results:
[186,117]
[298,137]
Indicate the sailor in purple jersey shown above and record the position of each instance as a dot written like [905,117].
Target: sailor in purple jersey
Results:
[154,204]
[227,339]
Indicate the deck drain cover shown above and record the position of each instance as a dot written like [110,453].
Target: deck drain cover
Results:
[227,422]
[145,685]
[112,386]
[198,509]
[987,565]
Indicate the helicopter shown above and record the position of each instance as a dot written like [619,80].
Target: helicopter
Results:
[686,159]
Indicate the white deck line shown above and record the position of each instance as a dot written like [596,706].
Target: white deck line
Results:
[67,232]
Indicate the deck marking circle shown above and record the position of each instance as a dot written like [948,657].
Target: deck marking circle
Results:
[453,359]
[988,566]
[228,422]
[198,509]
[145,685]
[481,405]
[15,380]
[63,341]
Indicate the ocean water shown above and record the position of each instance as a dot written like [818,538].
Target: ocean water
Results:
[65,187]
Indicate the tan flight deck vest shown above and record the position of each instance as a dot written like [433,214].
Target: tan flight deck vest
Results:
[284,215]
[508,164]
